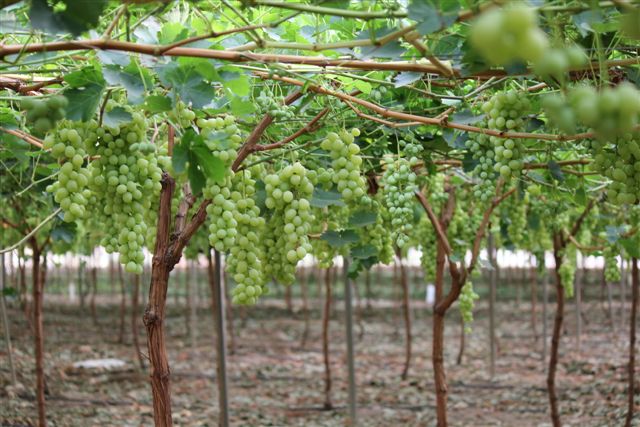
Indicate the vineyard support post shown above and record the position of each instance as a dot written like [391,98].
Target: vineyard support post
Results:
[221,345]
[353,421]
[635,285]
[578,292]
[5,320]
[545,308]
[493,276]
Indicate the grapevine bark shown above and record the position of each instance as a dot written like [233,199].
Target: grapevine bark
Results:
[635,285]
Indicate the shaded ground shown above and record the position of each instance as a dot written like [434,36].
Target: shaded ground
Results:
[275,382]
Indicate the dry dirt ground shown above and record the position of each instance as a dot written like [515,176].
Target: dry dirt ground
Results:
[275,382]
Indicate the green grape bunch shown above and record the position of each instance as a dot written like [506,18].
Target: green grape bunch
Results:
[505,112]
[275,106]
[611,268]
[346,163]
[399,187]
[125,186]
[505,35]
[43,114]
[69,144]
[286,237]
[245,258]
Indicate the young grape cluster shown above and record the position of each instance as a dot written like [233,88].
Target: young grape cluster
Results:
[567,270]
[516,212]
[244,261]
[68,144]
[611,268]
[346,164]
[505,112]
[286,237]
[376,234]
[557,61]
[273,105]
[466,303]
[480,148]
[44,114]
[620,163]
[125,182]
[399,186]
[505,35]
[610,112]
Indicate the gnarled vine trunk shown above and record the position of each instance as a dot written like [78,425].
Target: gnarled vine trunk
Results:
[325,339]
[557,329]
[406,309]
[635,285]
[437,352]
[37,278]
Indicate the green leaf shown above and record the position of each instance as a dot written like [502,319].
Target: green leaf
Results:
[64,231]
[405,78]
[9,292]
[614,233]
[75,17]
[631,246]
[242,107]
[84,77]
[364,252]
[322,199]
[116,116]
[466,117]
[340,238]
[212,166]
[235,81]
[187,84]
[179,158]
[83,102]
[196,177]
[427,16]
[130,78]
[555,171]
[157,104]
[362,218]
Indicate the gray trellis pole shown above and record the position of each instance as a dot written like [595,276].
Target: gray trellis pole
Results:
[5,321]
[221,345]
[492,302]
[353,420]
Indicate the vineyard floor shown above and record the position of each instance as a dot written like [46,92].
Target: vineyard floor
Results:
[275,382]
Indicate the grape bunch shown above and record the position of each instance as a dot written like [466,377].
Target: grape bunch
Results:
[224,214]
[425,238]
[610,112]
[466,303]
[125,182]
[346,164]
[505,35]
[378,93]
[182,116]
[244,261]
[399,186]
[505,112]
[557,61]
[273,105]
[567,270]
[481,150]
[515,210]
[68,144]
[222,136]
[611,268]
[286,237]
[412,148]
[620,162]
[376,234]
[44,114]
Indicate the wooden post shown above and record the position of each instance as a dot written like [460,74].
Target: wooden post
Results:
[545,308]
[326,314]
[217,296]
[5,320]
[493,278]
[578,292]
[635,285]
[353,420]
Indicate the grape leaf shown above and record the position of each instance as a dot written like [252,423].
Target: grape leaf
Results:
[83,102]
[322,199]
[116,116]
[339,238]
[362,218]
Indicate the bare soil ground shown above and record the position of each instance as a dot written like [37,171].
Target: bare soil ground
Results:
[276,382]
